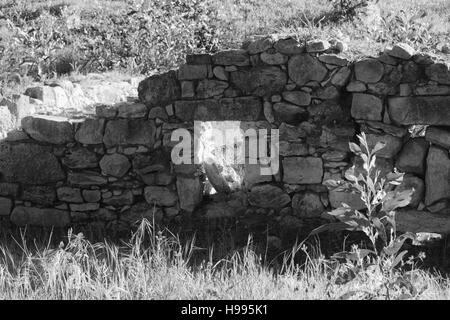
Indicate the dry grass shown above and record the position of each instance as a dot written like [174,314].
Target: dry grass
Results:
[155,265]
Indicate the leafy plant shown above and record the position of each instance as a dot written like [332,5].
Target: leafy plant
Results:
[376,221]
[347,8]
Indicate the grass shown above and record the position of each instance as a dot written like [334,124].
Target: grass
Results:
[147,36]
[156,265]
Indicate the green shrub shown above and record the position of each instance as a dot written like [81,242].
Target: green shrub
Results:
[376,220]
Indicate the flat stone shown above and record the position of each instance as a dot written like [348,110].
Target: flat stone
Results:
[333,60]
[274,58]
[367,107]
[187,89]
[302,170]
[29,164]
[307,205]
[356,86]
[16,135]
[387,59]
[20,106]
[158,113]
[260,81]
[293,148]
[79,158]
[131,110]
[438,72]
[326,93]
[299,98]
[105,111]
[380,127]
[159,90]
[220,73]
[259,45]
[304,68]
[289,46]
[51,96]
[202,58]
[336,137]
[91,131]
[39,194]
[268,112]
[341,77]
[420,110]
[239,109]
[91,195]
[437,176]
[161,196]
[82,207]
[209,88]
[432,90]
[291,133]
[336,199]
[335,156]
[326,112]
[157,178]
[86,178]
[268,196]
[46,217]
[51,129]
[369,71]
[115,165]
[392,147]
[188,110]
[69,194]
[232,57]
[192,72]
[148,163]
[289,113]
[129,132]
[317,46]
[189,192]
[438,136]
[383,88]
[422,222]
[123,199]
[5,206]
[412,156]
[9,189]
[401,51]
[252,175]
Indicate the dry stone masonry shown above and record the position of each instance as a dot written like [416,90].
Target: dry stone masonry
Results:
[115,168]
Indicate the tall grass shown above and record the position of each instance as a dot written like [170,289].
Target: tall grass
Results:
[155,265]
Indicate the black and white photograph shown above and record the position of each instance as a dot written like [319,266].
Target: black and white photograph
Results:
[224,158]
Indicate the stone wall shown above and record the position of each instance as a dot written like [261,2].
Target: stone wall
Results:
[115,168]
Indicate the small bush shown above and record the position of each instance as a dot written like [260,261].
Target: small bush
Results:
[376,221]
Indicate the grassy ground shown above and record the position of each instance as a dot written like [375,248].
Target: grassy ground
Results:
[155,265]
[43,38]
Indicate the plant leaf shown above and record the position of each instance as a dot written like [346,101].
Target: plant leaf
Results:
[396,199]
[333,227]
[378,146]
[399,258]
[354,148]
